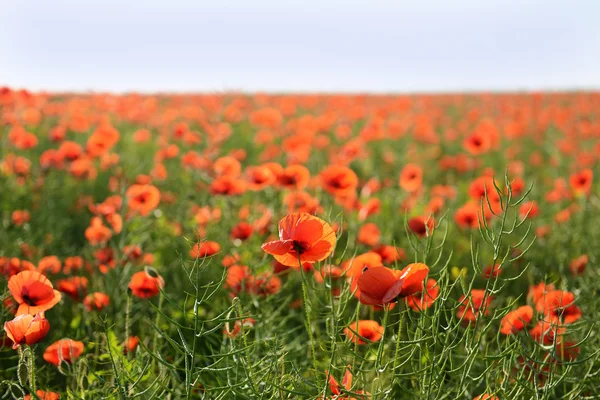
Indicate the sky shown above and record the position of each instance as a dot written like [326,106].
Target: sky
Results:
[307,46]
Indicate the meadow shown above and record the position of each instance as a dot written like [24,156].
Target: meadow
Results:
[263,246]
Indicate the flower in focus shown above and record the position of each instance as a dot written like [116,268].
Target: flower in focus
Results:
[33,292]
[302,238]
[27,329]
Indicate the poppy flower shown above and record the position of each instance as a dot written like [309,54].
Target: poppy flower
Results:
[577,266]
[492,271]
[205,249]
[411,178]
[294,177]
[302,238]
[74,286]
[146,283]
[50,263]
[547,331]
[471,306]
[66,350]
[368,329]
[486,396]
[242,231]
[390,254]
[560,304]
[581,182]
[41,395]
[537,292]
[27,329]
[467,216]
[334,386]
[264,284]
[369,234]
[142,199]
[421,226]
[96,301]
[97,233]
[237,326]
[237,277]
[227,186]
[20,217]
[259,177]
[425,299]
[516,320]
[528,209]
[33,292]
[131,344]
[339,180]
[477,143]
[382,285]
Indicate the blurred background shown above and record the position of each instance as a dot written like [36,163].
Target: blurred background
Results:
[308,45]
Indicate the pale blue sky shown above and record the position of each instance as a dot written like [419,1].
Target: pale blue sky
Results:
[309,45]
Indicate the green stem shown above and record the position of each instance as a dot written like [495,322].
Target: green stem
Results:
[31,369]
[307,315]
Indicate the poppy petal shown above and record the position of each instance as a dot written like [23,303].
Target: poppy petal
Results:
[278,247]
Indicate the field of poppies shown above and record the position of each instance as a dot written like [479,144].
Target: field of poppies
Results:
[237,246]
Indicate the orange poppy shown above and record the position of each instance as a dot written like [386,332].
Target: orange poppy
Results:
[426,298]
[368,329]
[471,306]
[369,234]
[27,329]
[237,326]
[205,249]
[559,304]
[96,301]
[20,217]
[302,238]
[581,182]
[339,180]
[577,266]
[260,177]
[142,198]
[411,178]
[74,286]
[421,226]
[131,344]
[33,292]
[516,320]
[294,177]
[146,283]
[50,264]
[382,285]
[66,350]
[41,395]
[228,186]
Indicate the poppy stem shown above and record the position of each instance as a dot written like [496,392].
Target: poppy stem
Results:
[127,311]
[307,314]
[31,368]
[386,312]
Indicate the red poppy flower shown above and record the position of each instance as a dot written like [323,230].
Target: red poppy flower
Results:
[131,344]
[66,350]
[96,301]
[237,327]
[41,395]
[75,287]
[471,306]
[382,285]
[560,304]
[577,266]
[426,298]
[516,320]
[581,182]
[369,234]
[302,238]
[294,177]
[205,249]
[27,329]
[142,199]
[411,178]
[368,329]
[339,180]
[421,226]
[33,292]
[146,283]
